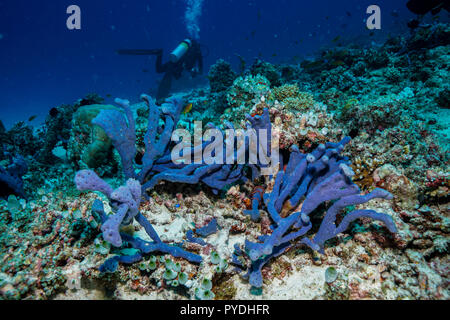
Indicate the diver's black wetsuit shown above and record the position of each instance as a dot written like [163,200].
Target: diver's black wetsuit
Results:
[172,70]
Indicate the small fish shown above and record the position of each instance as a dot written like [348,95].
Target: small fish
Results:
[435,18]
[394,13]
[145,70]
[348,13]
[336,39]
[274,54]
[188,108]
[337,63]
[53,112]
[32,118]
[108,95]
[242,63]
[253,33]
[327,17]
[308,65]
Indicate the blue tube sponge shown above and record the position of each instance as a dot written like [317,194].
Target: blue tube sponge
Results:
[316,178]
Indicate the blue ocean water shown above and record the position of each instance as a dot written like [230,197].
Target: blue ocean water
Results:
[44,65]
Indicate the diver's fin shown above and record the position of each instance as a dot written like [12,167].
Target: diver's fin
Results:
[139,52]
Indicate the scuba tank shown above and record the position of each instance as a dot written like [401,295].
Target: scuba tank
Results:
[180,51]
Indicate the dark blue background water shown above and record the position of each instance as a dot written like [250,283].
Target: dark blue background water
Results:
[43,64]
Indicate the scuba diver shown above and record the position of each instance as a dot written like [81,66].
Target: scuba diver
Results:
[187,56]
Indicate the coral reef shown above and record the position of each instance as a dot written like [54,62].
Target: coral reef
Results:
[368,221]
[19,140]
[221,76]
[88,146]
[246,91]
[266,70]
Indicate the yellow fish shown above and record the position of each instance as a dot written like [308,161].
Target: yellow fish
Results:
[188,108]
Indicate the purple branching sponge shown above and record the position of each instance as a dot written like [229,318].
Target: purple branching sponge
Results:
[157,165]
[157,161]
[316,178]
[121,129]
[126,201]
[216,176]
